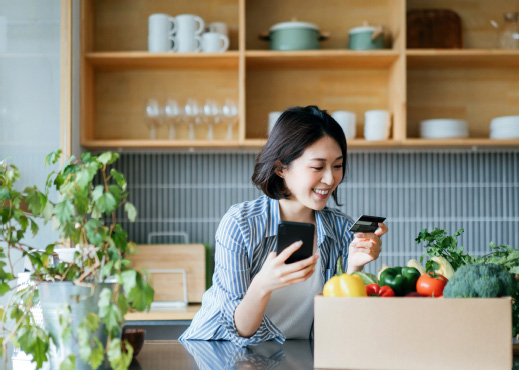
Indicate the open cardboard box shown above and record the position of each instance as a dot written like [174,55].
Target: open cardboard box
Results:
[412,333]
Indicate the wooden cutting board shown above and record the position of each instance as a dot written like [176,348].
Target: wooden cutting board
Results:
[168,287]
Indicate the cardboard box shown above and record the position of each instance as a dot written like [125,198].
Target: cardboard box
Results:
[413,333]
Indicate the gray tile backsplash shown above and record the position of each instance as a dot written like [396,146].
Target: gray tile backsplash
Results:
[188,193]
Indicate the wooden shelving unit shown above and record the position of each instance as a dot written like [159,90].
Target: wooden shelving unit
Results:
[476,83]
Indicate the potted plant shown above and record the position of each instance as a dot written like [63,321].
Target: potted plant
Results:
[84,300]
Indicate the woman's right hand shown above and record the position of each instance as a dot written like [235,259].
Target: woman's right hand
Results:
[276,274]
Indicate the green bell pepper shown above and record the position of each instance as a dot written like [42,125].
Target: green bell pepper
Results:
[401,279]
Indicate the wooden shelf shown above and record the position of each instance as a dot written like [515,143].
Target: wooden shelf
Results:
[145,60]
[465,58]
[158,144]
[118,76]
[378,59]
[484,142]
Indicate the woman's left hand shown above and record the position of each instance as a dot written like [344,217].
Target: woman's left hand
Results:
[365,248]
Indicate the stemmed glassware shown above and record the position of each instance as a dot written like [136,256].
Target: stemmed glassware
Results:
[230,114]
[212,116]
[174,114]
[192,116]
[154,117]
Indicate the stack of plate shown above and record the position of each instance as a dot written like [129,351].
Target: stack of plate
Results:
[505,127]
[443,128]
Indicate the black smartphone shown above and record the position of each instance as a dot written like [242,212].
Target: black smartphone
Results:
[290,232]
[366,224]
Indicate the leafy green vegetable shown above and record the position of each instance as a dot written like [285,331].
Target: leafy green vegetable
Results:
[438,243]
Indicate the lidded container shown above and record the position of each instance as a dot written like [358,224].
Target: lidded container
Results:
[294,35]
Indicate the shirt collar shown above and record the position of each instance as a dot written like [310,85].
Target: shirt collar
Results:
[274,219]
[324,228]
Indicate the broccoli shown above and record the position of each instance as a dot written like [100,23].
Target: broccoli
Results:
[480,280]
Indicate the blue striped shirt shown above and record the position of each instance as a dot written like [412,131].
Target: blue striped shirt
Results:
[245,237]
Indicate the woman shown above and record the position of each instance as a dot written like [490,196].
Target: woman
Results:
[256,296]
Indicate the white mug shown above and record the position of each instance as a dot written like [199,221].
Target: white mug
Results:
[188,42]
[213,42]
[273,118]
[347,120]
[162,43]
[189,23]
[377,123]
[218,27]
[161,28]
[161,24]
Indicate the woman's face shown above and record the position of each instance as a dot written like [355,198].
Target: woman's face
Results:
[313,177]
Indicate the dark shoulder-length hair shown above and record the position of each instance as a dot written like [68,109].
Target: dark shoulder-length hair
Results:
[296,129]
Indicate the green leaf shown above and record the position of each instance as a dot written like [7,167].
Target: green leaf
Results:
[109,312]
[119,178]
[4,288]
[34,228]
[131,211]
[106,203]
[53,157]
[69,363]
[4,194]
[95,233]
[129,280]
[64,211]
[84,343]
[97,356]
[105,158]
[81,203]
[97,193]
[141,295]
[118,359]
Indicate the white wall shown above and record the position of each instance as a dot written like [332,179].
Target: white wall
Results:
[30,92]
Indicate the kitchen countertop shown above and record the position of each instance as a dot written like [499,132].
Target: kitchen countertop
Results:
[213,355]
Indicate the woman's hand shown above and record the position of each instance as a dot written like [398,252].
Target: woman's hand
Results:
[365,248]
[275,274]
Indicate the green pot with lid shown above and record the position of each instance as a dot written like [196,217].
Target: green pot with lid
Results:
[366,38]
[294,35]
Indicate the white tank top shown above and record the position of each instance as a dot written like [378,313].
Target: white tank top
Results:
[291,308]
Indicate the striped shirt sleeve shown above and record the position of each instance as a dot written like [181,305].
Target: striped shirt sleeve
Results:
[232,279]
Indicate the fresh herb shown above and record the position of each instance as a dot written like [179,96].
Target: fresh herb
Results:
[439,243]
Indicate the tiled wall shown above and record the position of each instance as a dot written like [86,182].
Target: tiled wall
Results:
[475,190]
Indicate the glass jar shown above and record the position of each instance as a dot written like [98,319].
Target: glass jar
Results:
[509,36]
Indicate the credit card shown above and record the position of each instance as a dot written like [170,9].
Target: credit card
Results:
[366,224]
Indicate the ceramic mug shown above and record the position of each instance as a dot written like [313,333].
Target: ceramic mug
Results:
[377,123]
[161,28]
[347,120]
[188,42]
[162,43]
[218,27]
[213,42]
[189,24]
[161,24]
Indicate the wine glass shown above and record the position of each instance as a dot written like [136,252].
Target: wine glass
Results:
[212,112]
[192,116]
[154,117]
[174,115]
[230,112]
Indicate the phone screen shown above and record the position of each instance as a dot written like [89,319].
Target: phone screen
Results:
[290,232]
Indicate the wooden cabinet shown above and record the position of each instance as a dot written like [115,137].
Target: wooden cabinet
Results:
[476,83]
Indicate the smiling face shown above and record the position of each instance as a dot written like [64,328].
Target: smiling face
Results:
[313,177]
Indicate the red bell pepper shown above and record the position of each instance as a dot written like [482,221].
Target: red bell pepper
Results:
[377,291]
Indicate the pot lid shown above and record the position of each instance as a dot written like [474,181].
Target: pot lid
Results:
[363,29]
[292,25]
